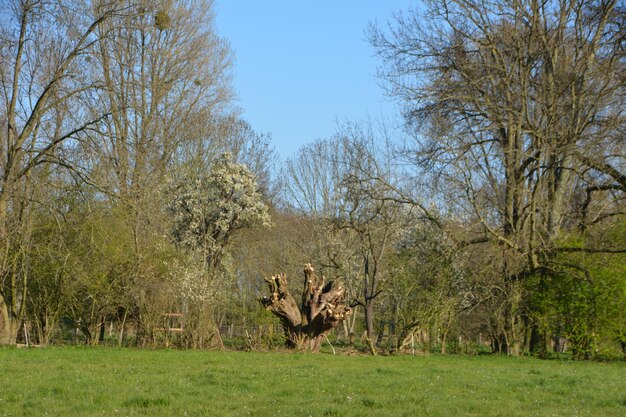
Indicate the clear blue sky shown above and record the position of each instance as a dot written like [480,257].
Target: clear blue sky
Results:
[301,66]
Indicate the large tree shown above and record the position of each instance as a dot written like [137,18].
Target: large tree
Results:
[44,77]
[517,108]
[164,70]
[206,213]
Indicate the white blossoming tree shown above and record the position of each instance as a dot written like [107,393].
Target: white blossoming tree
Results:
[206,211]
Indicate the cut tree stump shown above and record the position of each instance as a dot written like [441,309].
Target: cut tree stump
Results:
[322,309]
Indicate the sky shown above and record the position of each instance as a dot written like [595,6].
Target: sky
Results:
[301,67]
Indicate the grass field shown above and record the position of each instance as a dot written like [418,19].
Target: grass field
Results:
[110,382]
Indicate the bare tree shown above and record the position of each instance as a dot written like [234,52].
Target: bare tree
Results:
[331,183]
[375,219]
[314,191]
[517,109]
[163,69]
[46,47]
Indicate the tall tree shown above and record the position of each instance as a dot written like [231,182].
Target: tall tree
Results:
[370,215]
[163,67]
[45,52]
[518,112]
[164,70]
[207,212]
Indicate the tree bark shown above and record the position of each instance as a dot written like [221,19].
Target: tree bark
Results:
[538,342]
[369,318]
[8,325]
[322,309]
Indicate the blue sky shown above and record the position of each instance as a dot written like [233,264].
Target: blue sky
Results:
[303,66]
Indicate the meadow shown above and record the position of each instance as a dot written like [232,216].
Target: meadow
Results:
[127,382]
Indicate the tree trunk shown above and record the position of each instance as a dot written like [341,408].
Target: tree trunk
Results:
[120,341]
[86,332]
[369,318]
[321,310]
[538,342]
[102,331]
[349,325]
[8,325]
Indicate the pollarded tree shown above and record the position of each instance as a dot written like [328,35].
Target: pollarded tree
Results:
[321,310]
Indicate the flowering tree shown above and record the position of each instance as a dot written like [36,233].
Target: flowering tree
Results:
[208,210]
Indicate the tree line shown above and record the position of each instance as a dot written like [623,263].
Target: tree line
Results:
[136,205]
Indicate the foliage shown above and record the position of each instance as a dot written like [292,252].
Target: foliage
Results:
[131,191]
[430,287]
[585,298]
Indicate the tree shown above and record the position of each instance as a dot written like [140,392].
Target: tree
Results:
[45,52]
[375,219]
[584,304]
[250,250]
[315,193]
[108,91]
[518,112]
[430,286]
[356,222]
[207,212]
[321,310]
[163,70]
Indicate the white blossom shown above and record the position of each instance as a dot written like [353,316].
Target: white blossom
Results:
[207,210]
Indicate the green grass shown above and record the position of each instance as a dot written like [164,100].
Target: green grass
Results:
[124,382]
